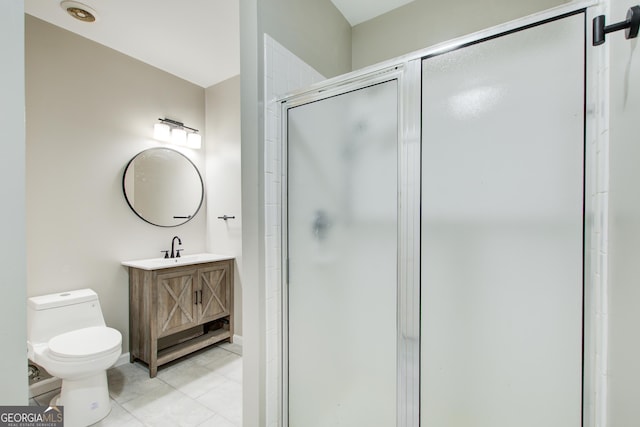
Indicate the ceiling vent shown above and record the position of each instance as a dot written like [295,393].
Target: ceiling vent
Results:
[80,11]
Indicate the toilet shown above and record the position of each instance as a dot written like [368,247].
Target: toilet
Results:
[67,336]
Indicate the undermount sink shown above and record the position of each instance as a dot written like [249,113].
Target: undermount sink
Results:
[159,263]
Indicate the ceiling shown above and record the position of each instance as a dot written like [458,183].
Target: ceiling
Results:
[358,11]
[197,40]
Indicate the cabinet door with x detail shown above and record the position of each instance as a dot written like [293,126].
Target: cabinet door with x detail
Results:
[176,298]
[213,293]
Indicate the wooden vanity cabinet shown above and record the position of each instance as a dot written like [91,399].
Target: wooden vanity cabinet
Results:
[178,310]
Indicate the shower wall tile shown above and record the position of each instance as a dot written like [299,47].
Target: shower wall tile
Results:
[284,73]
[269,87]
[269,161]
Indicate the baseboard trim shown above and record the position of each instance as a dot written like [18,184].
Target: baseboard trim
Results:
[237,339]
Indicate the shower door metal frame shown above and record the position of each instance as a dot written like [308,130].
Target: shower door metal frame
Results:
[408,71]
[408,77]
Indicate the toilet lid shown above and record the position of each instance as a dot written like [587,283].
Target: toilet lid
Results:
[86,342]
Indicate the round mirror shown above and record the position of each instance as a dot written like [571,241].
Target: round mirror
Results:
[163,187]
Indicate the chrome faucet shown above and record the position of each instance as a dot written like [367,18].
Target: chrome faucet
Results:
[176,253]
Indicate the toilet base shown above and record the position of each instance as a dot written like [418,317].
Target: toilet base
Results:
[85,400]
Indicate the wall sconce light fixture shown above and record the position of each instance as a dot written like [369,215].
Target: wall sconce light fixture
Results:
[177,133]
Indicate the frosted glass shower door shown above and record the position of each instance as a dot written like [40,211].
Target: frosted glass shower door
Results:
[502,230]
[342,204]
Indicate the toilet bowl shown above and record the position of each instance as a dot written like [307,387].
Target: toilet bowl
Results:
[66,335]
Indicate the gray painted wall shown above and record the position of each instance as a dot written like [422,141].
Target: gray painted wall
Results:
[624,225]
[223,186]
[423,23]
[89,110]
[13,324]
[314,30]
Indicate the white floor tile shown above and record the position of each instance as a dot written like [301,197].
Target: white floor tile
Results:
[130,381]
[232,369]
[165,405]
[204,389]
[221,362]
[218,421]
[118,417]
[211,355]
[225,400]
[232,347]
[190,378]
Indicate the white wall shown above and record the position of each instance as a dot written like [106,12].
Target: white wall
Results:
[89,110]
[13,369]
[624,224]
[423,23]
[253,395]
[224,192]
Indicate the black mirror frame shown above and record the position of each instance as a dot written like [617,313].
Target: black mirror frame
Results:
[124,192]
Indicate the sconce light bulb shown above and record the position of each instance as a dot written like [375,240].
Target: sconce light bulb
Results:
[194,140]
[179,136]
[162,132]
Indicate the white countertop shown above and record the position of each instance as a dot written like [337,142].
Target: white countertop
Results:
[159,263]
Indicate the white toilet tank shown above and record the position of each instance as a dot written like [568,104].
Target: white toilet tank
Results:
[54,314]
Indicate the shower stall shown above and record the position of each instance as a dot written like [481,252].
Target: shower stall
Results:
[433,247]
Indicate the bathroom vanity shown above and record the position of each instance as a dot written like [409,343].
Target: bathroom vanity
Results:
[178,306]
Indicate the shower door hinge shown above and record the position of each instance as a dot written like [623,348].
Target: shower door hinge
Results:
[630,26]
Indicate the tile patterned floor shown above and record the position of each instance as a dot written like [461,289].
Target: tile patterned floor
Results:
[203,389]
